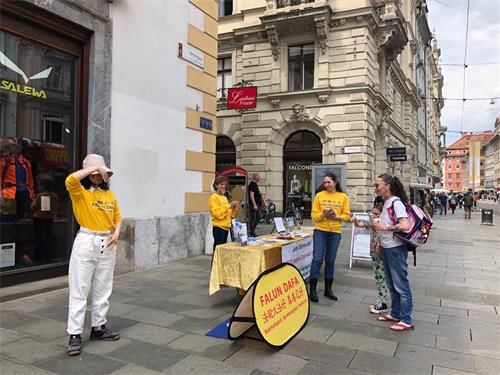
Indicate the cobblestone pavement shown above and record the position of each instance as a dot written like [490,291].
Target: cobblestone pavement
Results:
[164,313]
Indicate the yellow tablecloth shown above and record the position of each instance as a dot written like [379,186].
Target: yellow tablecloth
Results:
[239,266]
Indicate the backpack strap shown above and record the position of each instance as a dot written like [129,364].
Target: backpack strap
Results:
[392,213]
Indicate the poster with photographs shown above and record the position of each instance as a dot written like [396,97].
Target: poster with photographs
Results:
[298,184]
[319,171]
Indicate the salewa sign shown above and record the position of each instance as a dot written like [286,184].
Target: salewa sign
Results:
[19,88]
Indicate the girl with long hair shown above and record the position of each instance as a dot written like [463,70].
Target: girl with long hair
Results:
[330,208]
[394,251]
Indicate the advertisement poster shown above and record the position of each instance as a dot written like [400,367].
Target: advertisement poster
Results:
[299,254]
[7,254]
[298,184]
[277,303]
[319,171]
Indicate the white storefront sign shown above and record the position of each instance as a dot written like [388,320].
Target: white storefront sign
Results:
[352,149]
[299,254]
[191,55]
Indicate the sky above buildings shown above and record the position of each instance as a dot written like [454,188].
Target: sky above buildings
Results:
[447,18]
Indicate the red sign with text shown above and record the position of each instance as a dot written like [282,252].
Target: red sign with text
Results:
[242,97]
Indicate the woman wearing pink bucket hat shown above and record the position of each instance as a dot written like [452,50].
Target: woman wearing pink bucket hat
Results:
[94,250]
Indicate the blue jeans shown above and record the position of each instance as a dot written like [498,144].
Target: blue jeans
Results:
[325,245]
[396,278]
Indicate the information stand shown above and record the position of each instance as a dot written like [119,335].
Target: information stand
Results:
[360,241]
[277,303]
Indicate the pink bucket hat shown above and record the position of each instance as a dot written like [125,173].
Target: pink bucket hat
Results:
[94,160]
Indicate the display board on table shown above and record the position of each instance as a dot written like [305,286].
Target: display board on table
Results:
[360,240]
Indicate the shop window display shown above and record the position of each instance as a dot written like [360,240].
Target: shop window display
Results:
[37,143]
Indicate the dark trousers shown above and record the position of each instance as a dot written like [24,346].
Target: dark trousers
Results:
[22,204]
[220,236]
[453,207]
[43,238]
[253,220]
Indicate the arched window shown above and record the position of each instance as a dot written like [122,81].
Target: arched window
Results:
[225,153]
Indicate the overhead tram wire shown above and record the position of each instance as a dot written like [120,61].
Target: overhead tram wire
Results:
[465,62]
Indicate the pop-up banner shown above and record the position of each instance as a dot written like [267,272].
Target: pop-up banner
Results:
[277,303]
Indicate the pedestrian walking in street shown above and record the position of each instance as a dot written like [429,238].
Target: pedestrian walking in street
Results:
[468,203]
[330,208]
[443,203]
[221,211]
[92,261]
[452,200]
[394,251]
[380,306]
[255,203]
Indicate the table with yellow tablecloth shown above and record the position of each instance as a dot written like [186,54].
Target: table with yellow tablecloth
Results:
[239,266]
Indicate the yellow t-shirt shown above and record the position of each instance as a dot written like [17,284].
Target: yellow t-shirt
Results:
[221,211]
[324,200]
[97,210]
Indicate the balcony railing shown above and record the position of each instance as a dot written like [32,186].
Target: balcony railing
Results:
[286,3]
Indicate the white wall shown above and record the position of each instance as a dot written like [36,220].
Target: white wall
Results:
[149,99]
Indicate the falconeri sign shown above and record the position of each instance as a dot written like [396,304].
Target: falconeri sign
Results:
[5,84]
[242,97]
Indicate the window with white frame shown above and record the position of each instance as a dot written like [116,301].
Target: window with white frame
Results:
[301,67]
[225,8]
[224,76]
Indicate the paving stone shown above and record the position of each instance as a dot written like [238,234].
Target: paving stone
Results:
[338,358]
[44,329]
[131,369]
[8,336]
[204,313]
[471,347]
[265,359]
[447,320]
[162,304]
[105,347]
[437,357]
[448,371]
[147,355]
[486,337]
[487,366]
[29,350]
[197,365]
[150,333]
[152,316]
[442,330]
[83,364]
[310,333]
[196,343]
[14,319]
[49,312]
[420,316]
[380,331]
[196,325]
[9,367]
[484,316]
[322,368]
[468,305]
[364,343]
[384,365]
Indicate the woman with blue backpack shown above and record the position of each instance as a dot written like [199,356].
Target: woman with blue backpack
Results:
[394,218]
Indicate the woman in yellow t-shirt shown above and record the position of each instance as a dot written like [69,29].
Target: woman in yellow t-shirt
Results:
[221,210]
[330,208]
[94,250]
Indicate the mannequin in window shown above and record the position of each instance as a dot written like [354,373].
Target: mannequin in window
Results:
[16,180]
[295,185]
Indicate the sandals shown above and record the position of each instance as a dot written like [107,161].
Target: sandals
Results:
[387,318]
[400,326]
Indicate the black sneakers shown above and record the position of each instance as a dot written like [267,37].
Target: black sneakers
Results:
[104,334]
[75,345]
[378,308]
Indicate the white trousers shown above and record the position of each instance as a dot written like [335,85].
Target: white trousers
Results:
[91,266]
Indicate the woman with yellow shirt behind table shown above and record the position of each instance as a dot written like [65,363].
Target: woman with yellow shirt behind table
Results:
[221,210]
[94,250]
[330,208]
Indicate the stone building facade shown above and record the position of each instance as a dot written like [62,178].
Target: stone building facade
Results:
[345,72]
